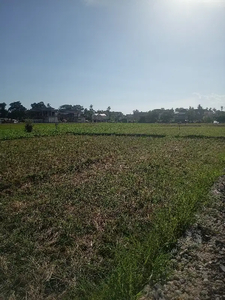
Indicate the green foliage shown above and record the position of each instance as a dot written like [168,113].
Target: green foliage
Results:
[3,111]
[16,110]
[39,105]
[221,117]
[28,126]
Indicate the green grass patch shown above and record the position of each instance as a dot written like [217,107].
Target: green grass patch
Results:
[17,131]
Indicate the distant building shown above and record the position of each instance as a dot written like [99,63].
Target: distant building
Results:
[68,115]
[180,117]
[100,118]
[43,115]
[71,114]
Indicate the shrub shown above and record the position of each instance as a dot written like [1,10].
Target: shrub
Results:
[28,126]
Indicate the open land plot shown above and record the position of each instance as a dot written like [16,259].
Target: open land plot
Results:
[88,217]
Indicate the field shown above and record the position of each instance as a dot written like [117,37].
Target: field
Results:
[16,131]
[91,211]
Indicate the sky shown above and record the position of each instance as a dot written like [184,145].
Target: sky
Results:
[126,54]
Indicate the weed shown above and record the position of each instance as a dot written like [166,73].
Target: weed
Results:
[28,126]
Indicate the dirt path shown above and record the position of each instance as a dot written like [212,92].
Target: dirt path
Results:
[199,262]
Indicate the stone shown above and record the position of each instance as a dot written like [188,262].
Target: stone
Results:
[222,267]
[176,277]
[178,292]
[204,293]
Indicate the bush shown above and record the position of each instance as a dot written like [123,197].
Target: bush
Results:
[28,126]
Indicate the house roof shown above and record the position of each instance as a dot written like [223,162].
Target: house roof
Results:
[102,115]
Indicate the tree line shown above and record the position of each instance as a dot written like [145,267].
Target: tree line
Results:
[18,112]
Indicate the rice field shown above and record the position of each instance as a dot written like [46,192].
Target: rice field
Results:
[16,131]
[91,211]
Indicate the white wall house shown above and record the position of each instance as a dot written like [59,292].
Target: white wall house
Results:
[100,118]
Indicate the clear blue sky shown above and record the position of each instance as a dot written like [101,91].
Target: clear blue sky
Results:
[127,54]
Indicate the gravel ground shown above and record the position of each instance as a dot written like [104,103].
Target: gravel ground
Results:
[199,262]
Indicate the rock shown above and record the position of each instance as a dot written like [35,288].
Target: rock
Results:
[204,293]
[222,267]
[176,277]
[178,292]
[182,280]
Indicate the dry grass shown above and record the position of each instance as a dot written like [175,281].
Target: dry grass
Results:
[69,204]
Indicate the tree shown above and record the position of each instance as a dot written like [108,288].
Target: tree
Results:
[17,110]
[3,111]
[88,113]
[142,119]
[207,118]
[200,108]
[167,116]
[181,110]
[39,105]
[220,117]
[116,116]
[200,113]
[154,115]
[78,109]
[191,114]
[108,111]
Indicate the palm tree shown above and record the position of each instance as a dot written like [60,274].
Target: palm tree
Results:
[108,111]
